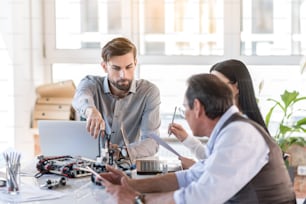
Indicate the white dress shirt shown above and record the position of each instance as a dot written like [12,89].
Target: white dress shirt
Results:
[234,156]
[196,147]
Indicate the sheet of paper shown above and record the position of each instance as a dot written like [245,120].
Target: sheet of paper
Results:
[164,144]
[29,193]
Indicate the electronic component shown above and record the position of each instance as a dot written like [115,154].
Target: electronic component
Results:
[2,182]
[147,166]
[51,183]
[73,167]
[98,170]
[66,166]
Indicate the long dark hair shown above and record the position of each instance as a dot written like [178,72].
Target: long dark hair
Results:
[237,72]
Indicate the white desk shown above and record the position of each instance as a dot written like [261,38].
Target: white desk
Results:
[77,190]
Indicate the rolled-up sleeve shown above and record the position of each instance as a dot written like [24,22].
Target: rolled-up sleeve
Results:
[195,146]
[84,96]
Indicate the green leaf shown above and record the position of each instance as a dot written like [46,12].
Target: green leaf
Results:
[283,129]
[297,140]
[302,129]
[284,143]
[277,103]
[301,122]
[289,97]
[300,99]
[268,116]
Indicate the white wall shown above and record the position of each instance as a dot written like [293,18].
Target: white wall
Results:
[6,78]
[21,47]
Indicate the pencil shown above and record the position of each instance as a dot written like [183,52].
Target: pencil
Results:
[169,132]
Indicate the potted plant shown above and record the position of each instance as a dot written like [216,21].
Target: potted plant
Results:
[288,130]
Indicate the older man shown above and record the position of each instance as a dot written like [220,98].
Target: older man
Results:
[244,164]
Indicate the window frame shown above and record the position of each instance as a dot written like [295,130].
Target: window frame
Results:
[232,32]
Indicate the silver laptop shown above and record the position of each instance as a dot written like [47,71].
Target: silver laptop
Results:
[60,137]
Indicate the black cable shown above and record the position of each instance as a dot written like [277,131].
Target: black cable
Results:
[99,143]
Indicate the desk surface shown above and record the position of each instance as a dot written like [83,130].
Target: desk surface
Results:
[78,190]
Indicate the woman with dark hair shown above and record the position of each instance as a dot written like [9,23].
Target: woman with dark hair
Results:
[236,75]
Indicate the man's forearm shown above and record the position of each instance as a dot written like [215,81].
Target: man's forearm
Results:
[81,101]
[159,183]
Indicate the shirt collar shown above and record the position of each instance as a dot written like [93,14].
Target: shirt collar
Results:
[106,85]
[107,89]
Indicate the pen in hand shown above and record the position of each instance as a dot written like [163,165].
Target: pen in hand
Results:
[169,132]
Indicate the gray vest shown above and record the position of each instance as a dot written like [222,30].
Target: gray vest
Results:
[272,185]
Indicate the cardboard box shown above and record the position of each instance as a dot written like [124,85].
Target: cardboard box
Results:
[53,107]
[51,115]
[54,102]
[63,89]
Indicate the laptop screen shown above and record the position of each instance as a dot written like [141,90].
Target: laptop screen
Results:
[59,137]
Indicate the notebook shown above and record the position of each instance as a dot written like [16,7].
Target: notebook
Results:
[60,137]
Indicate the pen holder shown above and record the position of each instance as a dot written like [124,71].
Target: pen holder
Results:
[13,178]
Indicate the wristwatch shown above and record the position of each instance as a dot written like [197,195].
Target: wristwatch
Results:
[140,199]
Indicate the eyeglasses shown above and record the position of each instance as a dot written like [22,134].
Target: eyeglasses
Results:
[179,111]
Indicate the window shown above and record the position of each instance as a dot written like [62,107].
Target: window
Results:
[86,24]
[268,30]
[166,27]
[180,31]
[179,38]
[76,72]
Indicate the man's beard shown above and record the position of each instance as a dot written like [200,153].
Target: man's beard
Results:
[119,85]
